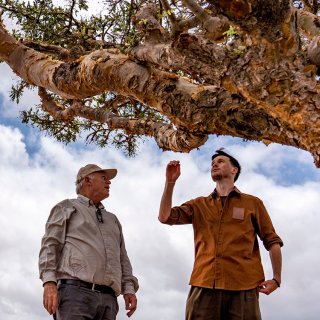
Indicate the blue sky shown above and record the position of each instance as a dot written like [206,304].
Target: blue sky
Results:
[37,172]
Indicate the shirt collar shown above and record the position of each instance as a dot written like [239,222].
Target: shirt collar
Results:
[86,201]
[235,191]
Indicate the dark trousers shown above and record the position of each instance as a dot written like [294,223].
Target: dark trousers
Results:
[216,304]
[78,303]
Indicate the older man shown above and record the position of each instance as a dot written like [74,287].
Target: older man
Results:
[228,274]
[83,261]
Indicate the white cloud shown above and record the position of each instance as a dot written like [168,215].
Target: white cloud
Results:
[8,108]
[12,148]
[162,256]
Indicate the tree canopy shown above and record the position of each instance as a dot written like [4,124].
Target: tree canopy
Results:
[175,70]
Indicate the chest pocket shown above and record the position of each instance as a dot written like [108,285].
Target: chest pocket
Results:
[238,213]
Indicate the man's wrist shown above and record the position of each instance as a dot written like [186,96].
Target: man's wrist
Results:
[277,282]
[49,283]
[129,292]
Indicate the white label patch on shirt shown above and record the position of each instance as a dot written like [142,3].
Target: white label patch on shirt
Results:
[238,213]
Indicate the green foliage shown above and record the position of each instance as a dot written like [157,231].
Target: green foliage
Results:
[240,50]
[143,21]
[165,14]
[70,131]
[101,136]
[231,32]
[63,131]
[92,131]
[41,20]
[17,91]
[70,24]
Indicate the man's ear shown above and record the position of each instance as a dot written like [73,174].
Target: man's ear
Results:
[235,170]
[87,180]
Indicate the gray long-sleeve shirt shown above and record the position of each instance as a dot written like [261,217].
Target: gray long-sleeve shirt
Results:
[77,246]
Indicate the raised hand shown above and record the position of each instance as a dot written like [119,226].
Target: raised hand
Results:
[173,171]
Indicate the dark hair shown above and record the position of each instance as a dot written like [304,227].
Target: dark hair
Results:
[233,161]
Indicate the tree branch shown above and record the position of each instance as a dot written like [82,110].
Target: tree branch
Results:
[166,137]
[307,6]
[171,16]
[187,24]
[213,25]
[147,23]
[183,55]
[314,51]
[308,23]
[258,92]
[106,70]
[50,49]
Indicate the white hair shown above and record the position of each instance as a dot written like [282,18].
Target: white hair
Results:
[79,184]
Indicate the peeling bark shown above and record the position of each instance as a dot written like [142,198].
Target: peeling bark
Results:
[260,85]
[308,23]
[314,51]
[215,26]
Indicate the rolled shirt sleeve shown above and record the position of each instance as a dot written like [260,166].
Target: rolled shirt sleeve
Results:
[265,228]
[181,214]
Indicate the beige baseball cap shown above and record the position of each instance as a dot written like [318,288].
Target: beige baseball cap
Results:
[91,168]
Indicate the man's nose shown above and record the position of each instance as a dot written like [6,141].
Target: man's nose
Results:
[107,181]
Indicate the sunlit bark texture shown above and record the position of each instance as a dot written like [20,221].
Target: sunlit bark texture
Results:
[177,71]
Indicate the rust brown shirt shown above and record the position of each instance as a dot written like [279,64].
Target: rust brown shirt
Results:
[226,246]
